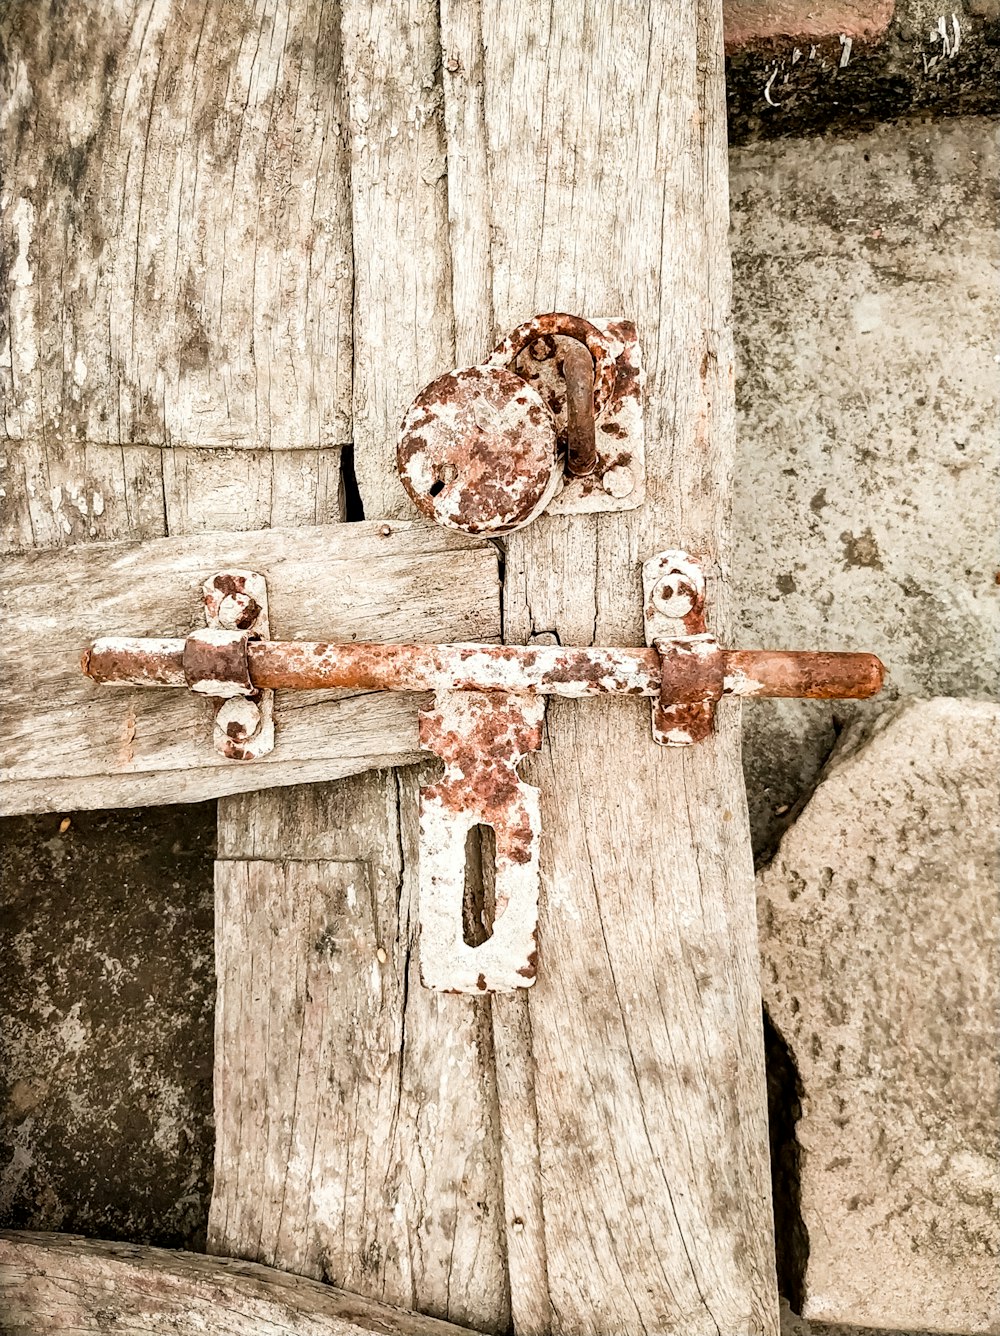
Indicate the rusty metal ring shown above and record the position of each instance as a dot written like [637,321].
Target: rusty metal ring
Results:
[570,327]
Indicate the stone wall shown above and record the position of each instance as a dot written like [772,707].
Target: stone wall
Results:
[867,515]
[866,497]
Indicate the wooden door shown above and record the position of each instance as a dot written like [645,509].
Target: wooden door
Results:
[240,237]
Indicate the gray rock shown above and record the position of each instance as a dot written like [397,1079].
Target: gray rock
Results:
[866,496]
[106,1017]
[879,930]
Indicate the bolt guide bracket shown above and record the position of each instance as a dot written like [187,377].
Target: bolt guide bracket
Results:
[551,420]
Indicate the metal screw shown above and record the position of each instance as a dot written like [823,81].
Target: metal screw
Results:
[238,612]
[619,482]
[542,349]
[239,718]
[674,595]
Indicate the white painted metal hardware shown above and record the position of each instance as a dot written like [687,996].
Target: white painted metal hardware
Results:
[236,607]
[487,716]
[552,420]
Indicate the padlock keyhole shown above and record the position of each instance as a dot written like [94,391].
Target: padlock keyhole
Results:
[436,487]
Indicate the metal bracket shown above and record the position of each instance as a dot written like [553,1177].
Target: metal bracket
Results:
[487,716]
[673,588]
[481,736]
[216,664]
[617,480]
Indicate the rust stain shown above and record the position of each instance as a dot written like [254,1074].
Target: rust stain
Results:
[480,737]
[554,670]
[216,663]
[600,484]
[581,446]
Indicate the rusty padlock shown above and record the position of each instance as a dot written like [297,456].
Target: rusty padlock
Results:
[479,447]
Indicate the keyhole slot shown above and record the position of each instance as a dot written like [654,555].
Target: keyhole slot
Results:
[479,898]
[436,487]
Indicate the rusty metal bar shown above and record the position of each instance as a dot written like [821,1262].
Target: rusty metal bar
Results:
[555,323]
[535,669]
[137,663]
[581,440]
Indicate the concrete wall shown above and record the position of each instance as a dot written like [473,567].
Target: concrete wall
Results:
[867,506]
[866,499]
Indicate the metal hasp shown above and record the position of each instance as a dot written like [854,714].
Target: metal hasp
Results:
[236,605]
[481,736]
[487,716]
[673,588]
[552,420]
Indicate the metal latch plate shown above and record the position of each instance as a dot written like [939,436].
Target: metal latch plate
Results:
[619,480]
[236,601]
[481,736]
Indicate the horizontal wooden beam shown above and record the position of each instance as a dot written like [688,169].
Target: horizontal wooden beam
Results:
[60,1282]
[69,744]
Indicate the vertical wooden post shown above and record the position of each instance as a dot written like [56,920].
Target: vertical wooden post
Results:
[588,172]
[607,194]
[368,1155]
[201,194]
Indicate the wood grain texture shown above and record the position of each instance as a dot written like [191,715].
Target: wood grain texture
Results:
[57,496]
[199,253]
[174,274]
[73,492]
[603,190]
[354,1108]
[61,1282]
[250,489]
[179,227]
[645,1024]
[403,333]
[69,743]
[398,1190]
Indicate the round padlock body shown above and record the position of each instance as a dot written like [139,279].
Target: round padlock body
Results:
[478,451]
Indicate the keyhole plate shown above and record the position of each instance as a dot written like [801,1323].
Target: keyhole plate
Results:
[481,736]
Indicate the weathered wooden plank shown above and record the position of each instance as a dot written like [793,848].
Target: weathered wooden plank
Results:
[354,1108]
[593,178]
[250,489]
[603,191]
[79,492]
[456,1261]
[403,332]
[414,1213]
[174,274]
[61,1282]
[76,492]
[69,743]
